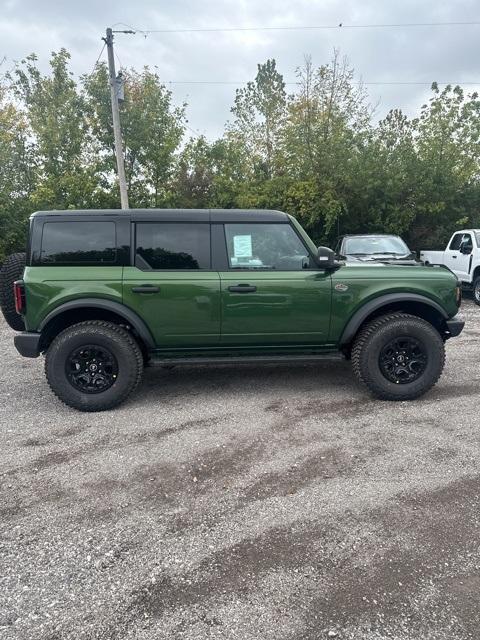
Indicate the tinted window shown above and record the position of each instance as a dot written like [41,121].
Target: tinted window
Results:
[171,245]
[456,242]
[88,242]
[265,246]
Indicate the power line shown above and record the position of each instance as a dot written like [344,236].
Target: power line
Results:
[99,56]
[400,83]
[339,26]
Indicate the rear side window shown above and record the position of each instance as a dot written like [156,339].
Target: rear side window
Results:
[78,242]
[171,245]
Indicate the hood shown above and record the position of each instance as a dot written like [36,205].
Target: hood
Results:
[383,259]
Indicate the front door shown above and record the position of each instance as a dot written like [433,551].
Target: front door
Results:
[172,286]
[272,293]
[457,256]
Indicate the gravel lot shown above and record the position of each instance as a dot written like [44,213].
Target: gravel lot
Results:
[242,503]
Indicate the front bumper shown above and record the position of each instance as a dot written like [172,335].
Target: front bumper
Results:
[455,326]
[27,344]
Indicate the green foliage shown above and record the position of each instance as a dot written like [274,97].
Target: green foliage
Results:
[317,154]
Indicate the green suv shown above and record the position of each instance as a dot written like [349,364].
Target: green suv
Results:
[104,292]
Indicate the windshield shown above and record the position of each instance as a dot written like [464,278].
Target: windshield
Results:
[381,245]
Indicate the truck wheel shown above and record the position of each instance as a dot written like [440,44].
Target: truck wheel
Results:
[12,270]
[398,356]
[93,365]
[476,290]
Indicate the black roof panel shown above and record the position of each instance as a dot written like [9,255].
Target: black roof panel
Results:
[174,215]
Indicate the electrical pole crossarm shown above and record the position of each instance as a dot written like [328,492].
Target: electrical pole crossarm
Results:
[116,120]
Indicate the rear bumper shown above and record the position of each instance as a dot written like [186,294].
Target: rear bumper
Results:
[27,344]
[455,326]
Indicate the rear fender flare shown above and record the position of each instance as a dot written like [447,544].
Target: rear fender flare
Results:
[121,310]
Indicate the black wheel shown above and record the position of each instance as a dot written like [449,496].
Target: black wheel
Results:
[11,270]
[93,365]
[476,290]
[398,356]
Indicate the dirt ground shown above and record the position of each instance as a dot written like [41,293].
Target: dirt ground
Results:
[242,503]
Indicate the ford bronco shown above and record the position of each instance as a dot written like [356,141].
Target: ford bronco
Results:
[105,291]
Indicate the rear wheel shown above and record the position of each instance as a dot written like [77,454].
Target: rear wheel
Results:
[93,365]
[476,290]
[398,356]
[11,270]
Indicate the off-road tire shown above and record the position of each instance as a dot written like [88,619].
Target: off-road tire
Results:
[376,335]
[107,335]
[476,290]
[11,270]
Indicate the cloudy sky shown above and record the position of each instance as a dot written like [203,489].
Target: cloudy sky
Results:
[394,54]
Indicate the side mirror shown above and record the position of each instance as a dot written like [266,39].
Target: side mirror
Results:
[325,258]
[465,248]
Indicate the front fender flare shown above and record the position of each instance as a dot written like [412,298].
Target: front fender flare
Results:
[373,305]
[125,312]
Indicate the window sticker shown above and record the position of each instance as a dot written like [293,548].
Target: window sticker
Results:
[242,246]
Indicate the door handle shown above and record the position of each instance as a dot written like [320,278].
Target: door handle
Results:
[242,288]
[146,288]
[455,257]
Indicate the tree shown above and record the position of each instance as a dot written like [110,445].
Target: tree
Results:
[260,110]
[55,114]
[17,175]
[152,131]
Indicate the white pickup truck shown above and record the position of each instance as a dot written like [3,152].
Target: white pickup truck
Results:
[462,256]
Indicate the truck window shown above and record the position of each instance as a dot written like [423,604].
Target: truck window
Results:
[78,242]
[456,242]
[467,242]
[167,245]
[265,246]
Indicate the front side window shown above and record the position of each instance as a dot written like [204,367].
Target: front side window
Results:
[456,242]
[467,243]
[265,246]
[78,242]
[171,245]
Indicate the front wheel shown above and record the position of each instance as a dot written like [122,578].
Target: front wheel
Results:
[476,291]
[398,356]
[93,365]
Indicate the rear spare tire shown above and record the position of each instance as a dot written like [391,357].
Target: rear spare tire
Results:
[11,270]
[398,356]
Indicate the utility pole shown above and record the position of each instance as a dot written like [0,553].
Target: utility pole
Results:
[116,121]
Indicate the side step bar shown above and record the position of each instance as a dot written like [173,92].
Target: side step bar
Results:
[159,361]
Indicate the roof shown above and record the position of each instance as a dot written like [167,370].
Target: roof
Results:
[175,215]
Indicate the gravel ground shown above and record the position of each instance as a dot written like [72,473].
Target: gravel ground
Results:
[242,503]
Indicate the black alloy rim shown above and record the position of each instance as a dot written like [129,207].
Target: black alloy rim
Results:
[476,292]
[403,360]
[91,369]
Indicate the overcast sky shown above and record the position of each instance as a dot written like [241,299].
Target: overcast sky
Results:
[444,54]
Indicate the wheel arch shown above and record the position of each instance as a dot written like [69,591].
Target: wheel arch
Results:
[413,303]
[76,311]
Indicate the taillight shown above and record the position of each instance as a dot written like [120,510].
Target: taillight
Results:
[459,295]
[19,296]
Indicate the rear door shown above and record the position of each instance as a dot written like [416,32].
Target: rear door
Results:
[172,286]
[272,293]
